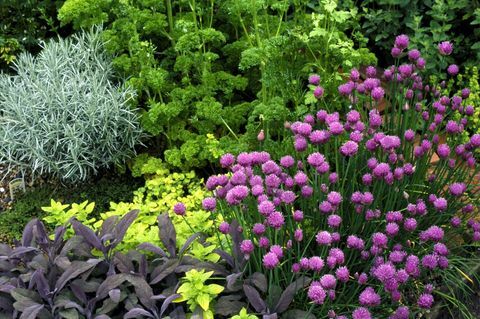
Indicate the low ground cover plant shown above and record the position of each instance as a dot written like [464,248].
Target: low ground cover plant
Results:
[358,206]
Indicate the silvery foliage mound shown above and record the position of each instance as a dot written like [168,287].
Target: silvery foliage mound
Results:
[61,115]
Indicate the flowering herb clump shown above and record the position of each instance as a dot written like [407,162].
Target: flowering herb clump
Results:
[368,205]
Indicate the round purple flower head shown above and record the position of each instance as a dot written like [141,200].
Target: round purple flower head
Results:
[361,313]
[324,238]
[371,71]
[402,41]
[334,198]
[369,298]
[349,148]
[440,204]
[209,203]
[224,227]
[179,209]
[227,160]
[445,48]
[270,260]
[354,75]
[342,274]
[316,293]
[328,281]
[396,52]
[314,79]
[315,263]
[318,92]
[413,55]
[246,246]
[425,301]
[457,189]
[453,69]
[378,93]
[443,151]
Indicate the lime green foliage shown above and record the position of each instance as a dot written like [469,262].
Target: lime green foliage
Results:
[244,315]
[162,190]
[211,74]
[196,293]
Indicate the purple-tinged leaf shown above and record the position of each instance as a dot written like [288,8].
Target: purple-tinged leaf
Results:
[123,263]
[270,316]
[76,269]
[38,278]
[237,238]
[137,312]
[259,280]
[254,298]
[287,296]
[22,250]
[27,235]
[143,290]
[6,304]
[232,280]
[31,312]
[114,295]
[229,305]
[5,250]
[62,262]
[162,271]
[78,292]
[71,244]
[108,226]
[123,225]
[41,232]
[152,248]
[167,233]
[159,297]
[143,266]
[188,242]
[102,317]
[167,303]
[110,283]
[88,235]
[226,256]
[58,239]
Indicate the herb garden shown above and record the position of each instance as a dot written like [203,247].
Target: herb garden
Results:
[239,159]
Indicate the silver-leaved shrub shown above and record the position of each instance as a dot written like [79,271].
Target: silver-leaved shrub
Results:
[62,115]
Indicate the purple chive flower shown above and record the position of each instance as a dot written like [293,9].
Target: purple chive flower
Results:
[318,92]
[430,261]
[324,238]
[361,313]
[380,240]
[266,208]
[402,41]
[263,242]
[277,250]
[328,281]
[395,52]
[209,204]
[300,178]
[276,220]
[287,161]
[298,235]
[369,298]
[334,221]
[402,312]
[315,263]
[336,128]
[298,216]
[270,260]
[349,148]
[410,224]
[457,189]
[179,209]
[227,160]
[413,55]
[445,48]
[390,142]
[441,249]
[224,227]
[371,71]
[316,294]
[425,301]
[315,159]
[314,79]
[384,272]
[453,69]
[354,75]
[392,229]
[258,229]
[334,198]
[346,88]
[342,274]
[246,246]
[440,204]
[378,93]
[443,151]
[288,197]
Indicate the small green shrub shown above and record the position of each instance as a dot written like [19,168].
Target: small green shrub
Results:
[61,115]
[28,206]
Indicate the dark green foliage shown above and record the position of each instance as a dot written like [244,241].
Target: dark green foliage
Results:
[227,68]
[23,24]
[102,192]
[427,23]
